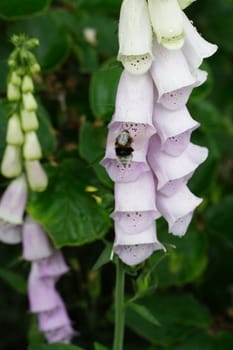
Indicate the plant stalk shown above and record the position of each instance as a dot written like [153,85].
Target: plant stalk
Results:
[119,307]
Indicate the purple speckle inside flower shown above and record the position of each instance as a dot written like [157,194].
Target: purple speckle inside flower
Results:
[134,222]
[176,99]
[175,145]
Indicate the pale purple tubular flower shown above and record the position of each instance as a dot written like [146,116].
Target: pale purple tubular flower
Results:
[12,206]
[174,128]
[41,292]
[195,48]
[135,208]
[36,244]
[134,248]
[133,113]
[53,319]
[173,172]
[54,266]
[178,209]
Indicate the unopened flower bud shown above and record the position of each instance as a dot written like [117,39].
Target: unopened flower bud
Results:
[35,68]
[29,102]
[90,35]
[36,175]
[167,22]
[13,92]
[27,84]
[14,134]
[29,120]
[11,162]
[15,79]
[31,147]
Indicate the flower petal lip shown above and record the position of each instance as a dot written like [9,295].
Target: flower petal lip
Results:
[53,266]
[172,172]
[167,22]
[36,244]
[135,37]
[196,48]
[178,209]
[53,319]
[13,201]
[10,234]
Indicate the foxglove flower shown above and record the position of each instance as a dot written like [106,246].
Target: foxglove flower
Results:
[31,147]
[135,36]
[172,172]
[53,266]
[36,245]
[11,162]
[174,128]
[36,175]
[14,134]
[178,209]
[167,22]
[195,48]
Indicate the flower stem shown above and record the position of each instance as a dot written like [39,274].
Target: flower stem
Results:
[119,307]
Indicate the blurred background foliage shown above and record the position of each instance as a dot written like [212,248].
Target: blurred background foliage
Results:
[182,300]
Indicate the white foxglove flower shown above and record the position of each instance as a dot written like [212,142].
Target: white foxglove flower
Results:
[195,48]
[132,248]
[36,245]
[185,3]
[11,163]
[10,234]
[174,128]
[135,206]
[135,37]
[36,175]
[29,120]
[172,172]
[14,135]
[31,147]
[167,22]
[178,209]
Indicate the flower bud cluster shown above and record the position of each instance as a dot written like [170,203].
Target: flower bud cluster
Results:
[23,148]
[149,154]
[48,265]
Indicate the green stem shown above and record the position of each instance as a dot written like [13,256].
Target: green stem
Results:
[119,307]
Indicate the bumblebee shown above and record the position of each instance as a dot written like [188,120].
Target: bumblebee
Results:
[123,147]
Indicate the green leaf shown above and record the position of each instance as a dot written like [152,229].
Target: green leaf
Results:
[55,346]
[224,341]
[178,315]
[69,214]
[199,341]
[104,257]
[186,261]
[219,218]
[100,347]
[113,5]
[35,337]
[144,313]
[13,9]
[54,41]
[15,280]
[103,89]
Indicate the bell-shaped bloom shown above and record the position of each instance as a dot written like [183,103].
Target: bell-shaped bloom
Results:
[54,266]
[29,120]
[173,172]
[170,71]
[135,208]
[11,162]
[134,99]
[41,292]
[10,234]
[13,202]
[174,128]
[13,92]
[27,84]
[135,36]
[53,319]
[167,22]
[36,176]
[14,135]
[136,164]
[185,3]
[31,147]
[178,209]
[134,248]
[61,335]
[196,48]
[36,244]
